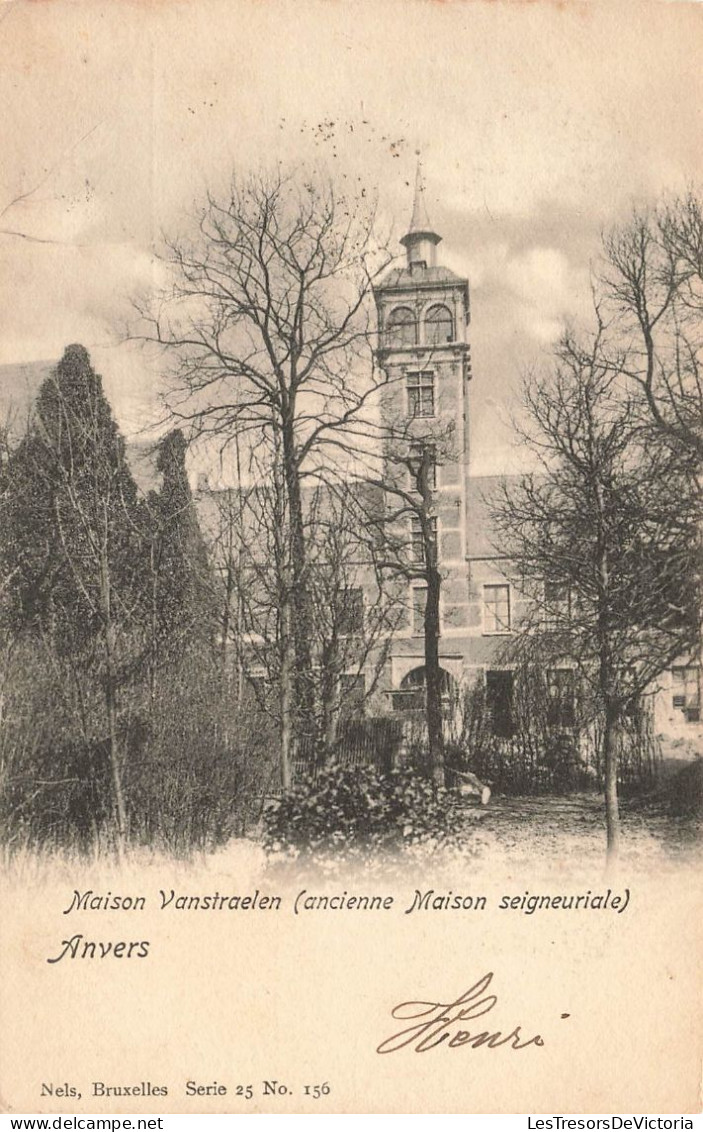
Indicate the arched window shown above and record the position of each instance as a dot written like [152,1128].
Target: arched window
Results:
[401,329]
[417,679]
[411,695]
[439,326]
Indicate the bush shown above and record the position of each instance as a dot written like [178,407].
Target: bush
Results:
[357,810]
[194,774]
[684,792]
[198,771]
[541,755]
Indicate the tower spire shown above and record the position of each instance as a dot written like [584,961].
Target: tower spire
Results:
[420,221]
[421,240]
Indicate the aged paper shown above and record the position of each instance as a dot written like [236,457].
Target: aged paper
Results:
[247,987]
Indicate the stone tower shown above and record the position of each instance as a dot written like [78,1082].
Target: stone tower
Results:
[423,317]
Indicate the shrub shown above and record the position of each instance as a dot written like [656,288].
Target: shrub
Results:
[357,810]
[541,757]
[198,770]
[684,792]
[195,773]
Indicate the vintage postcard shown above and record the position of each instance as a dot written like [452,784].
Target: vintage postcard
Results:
[350,557]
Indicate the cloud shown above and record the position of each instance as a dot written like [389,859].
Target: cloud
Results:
[537,124]
[547,290]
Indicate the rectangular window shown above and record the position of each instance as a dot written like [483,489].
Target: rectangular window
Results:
[496,609]
[685,687]
[417,543]
[557,605]
[499,701]
[351,613]
[417,452]
[561,698]
[421,393]
[419,606]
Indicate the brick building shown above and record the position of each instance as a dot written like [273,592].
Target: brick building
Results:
[424,317]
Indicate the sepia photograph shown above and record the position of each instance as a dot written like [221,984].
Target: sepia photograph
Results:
[351,426]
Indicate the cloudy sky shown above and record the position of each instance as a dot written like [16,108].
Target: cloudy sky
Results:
[539,124]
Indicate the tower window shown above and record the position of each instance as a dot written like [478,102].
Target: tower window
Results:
[439,325]
[417,539]
[419,451]
[419,607]
[421,393]
[401,327]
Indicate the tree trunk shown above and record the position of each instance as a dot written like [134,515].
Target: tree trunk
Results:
[612,703]
[610,759]
[433,672]
[115,769]
[331,708]
[285,643]
[287,696]
[227,615]
[153,624]
[232,593]
[433,677]
[299,602]
[118,802]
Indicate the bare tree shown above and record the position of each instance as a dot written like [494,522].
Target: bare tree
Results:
[405,532]
[602,539]
[268,318]
[652,285]
[352,610]
[356,608]
[652,281]
[246,529]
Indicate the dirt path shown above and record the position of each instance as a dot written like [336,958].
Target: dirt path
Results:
[569,829]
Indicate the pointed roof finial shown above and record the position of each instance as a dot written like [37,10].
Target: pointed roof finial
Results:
[421,238]
[420,221]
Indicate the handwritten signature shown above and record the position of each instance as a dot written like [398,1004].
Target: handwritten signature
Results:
[438,1024]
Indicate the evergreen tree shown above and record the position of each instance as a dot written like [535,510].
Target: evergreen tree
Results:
[68,510]
[71,548]
[182,591]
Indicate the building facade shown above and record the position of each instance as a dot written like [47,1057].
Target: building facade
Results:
[424,319]
[424,324]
